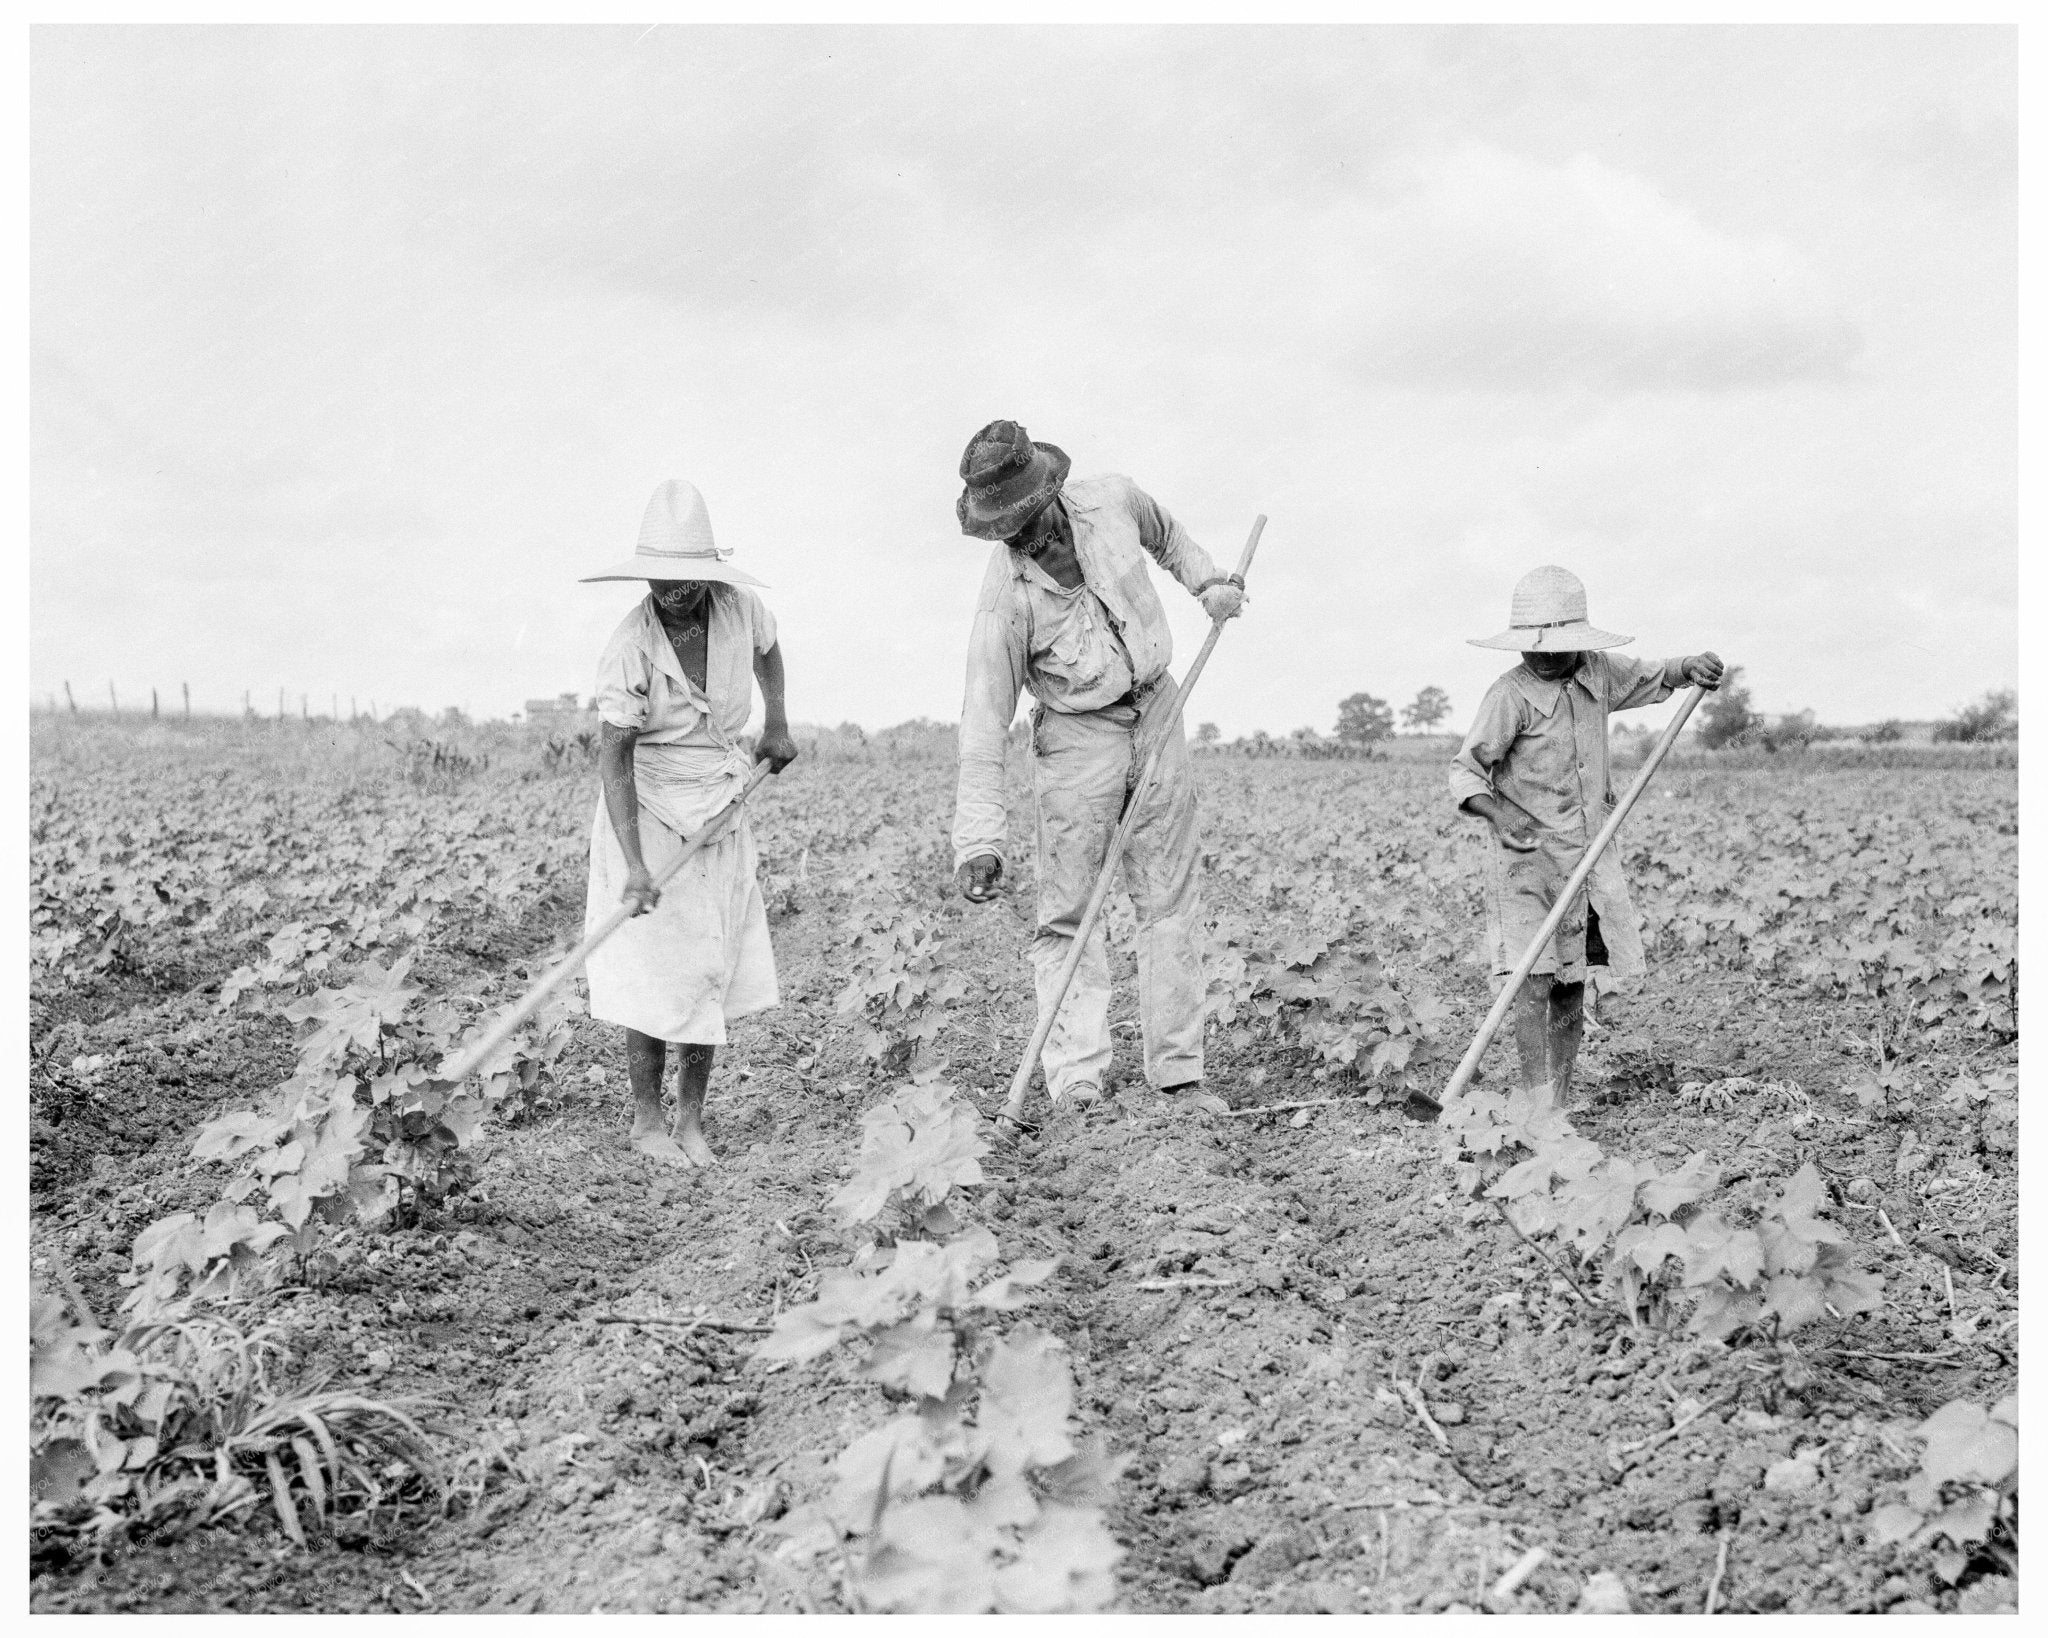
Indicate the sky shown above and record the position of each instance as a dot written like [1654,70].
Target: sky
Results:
[351,349]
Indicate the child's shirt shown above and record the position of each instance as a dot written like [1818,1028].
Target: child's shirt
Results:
[1543,745]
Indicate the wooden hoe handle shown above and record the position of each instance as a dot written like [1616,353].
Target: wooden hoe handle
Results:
[1020,1083]
[508,1023]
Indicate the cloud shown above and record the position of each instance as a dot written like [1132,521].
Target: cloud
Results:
[1968,157]
[352,348]
[1488,269]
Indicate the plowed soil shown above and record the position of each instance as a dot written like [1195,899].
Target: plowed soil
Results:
[1341,1391]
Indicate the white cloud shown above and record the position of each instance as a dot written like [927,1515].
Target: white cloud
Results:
[353,348]
[1488,268]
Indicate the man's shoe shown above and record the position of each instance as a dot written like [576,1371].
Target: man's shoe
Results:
[1181,1089]
[1082,1093]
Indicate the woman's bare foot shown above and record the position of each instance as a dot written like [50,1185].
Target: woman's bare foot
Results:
[658,1145]
[690,1136]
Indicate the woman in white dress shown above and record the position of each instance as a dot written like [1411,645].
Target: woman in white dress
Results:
[674,690]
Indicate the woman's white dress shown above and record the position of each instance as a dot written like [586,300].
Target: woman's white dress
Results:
[701,958]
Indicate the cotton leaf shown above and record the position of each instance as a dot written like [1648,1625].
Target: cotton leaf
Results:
[1004,1503]
[372,1193]
[1795,1299]
[1064,1564]
[1534,1121]
[915,1357]
[1892,1522]
[1966,1519]
[1665,1195]
[1793,1235]
[926,1275]
[1713,1249]
[234,1134]
[1964,1442]
[170,1242]
[1086,1478]
[336,1148]
[1647,1247]
[464,1118]
[59,1471]
[934,1558]
[946,1149]
[1596,1205]
[1854,1291]
[1567,1158]
[904,1450]
[1027,1394]
[865,1298]
[1722,1309]
[65,1371]
[799,1334]
[884,1167]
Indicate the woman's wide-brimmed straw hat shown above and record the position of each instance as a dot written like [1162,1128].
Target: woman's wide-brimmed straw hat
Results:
[1548,616]
[1008,478]
[676,543]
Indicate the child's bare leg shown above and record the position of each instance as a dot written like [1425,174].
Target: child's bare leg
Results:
[1532,1030]
[693,1080]
[646,1059]
[1566,1027]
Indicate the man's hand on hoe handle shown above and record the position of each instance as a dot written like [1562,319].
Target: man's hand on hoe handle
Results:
[1223,598]
[1704,670]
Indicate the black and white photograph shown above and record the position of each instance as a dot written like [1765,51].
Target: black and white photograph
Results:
[1114,817]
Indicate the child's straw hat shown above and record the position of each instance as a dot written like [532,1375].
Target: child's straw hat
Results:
[1548,616]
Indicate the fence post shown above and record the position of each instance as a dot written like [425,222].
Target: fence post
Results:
[304,715]
[188,700]
[280,705]
[152,702]
[113,698]
[68,699]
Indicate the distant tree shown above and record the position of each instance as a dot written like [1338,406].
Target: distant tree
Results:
[1207,735]
[1261,744]
[1726,716]
[1430,707]
[1361,719]
[1885,732]
[1995,716]
[1792,732]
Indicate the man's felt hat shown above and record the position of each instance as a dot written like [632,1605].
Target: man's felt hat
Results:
[1548,616]
[676,543]
[1008,478]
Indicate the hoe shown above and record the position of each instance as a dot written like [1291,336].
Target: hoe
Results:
[1469,1064]
[504,1029]
[1134,800]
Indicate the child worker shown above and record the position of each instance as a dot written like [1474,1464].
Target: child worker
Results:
[1534,766]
